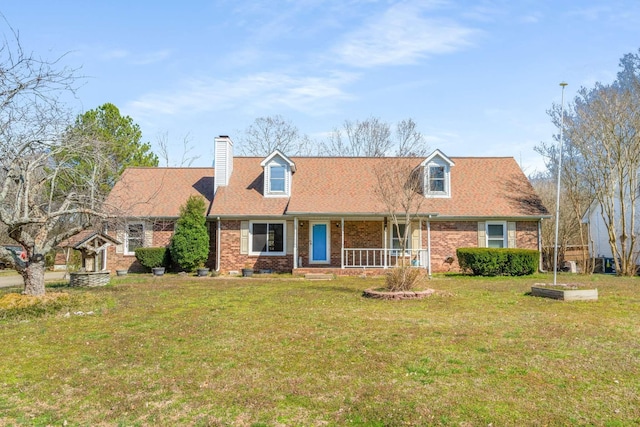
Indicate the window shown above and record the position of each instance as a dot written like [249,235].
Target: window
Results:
[134,237]
[277,175]
[396,238]
[267,238]
[436,179]
[496,235]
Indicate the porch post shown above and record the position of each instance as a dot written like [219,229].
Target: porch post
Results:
[295,242]
[429,245]
[420,239]
[384,242]
[341,243]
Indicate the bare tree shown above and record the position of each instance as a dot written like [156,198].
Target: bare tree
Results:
[186,159]
[571,230]
[605,129]
[39,159]
[409,141]
[576,195]
[399,187]
[602,159]
[266,134]
[366,138]
[374,138]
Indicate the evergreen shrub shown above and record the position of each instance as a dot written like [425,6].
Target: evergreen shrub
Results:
[190,242]
[153,257]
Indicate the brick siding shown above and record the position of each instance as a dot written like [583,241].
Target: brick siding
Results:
[446,237]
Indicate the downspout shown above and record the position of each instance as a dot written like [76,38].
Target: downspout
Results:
[295,242]
[218,246]
[341,244]
[429,246]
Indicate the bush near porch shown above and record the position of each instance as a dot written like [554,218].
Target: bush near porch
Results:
[498,261]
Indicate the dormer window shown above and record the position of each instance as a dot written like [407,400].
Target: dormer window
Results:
[278,170]
[436,179]
[277,179]
[437,175]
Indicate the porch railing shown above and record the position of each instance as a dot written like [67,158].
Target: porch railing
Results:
[383,258]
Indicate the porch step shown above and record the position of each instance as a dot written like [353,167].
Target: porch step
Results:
[318,276]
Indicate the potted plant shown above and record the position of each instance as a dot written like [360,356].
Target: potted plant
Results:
[247,271]
[202,271]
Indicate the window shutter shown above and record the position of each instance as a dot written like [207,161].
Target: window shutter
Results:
[244,237]
[289,237]
[415,236]
[120,236]
[148,234]
[482,235]
[511,234]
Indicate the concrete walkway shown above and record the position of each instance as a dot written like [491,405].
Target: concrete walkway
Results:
[12,280]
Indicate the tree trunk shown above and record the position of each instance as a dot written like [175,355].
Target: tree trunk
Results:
[33,276]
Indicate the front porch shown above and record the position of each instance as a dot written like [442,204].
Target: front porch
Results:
[357,245]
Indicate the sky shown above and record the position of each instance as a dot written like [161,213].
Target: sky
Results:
[478,77]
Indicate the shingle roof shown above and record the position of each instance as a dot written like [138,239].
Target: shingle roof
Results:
[480,187]
[158,192]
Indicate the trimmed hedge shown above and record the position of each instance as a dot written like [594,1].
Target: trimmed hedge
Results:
[498,262]
[153,257]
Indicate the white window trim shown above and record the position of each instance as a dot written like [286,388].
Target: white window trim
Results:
[284,238]
[447,180]
[284,180]
[267,180]
[505,233]
[126,236]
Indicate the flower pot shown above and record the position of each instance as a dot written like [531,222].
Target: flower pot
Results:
[157,271]
[247,272]
[202,272]
[121,272]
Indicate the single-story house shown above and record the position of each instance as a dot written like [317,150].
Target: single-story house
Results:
[299,214]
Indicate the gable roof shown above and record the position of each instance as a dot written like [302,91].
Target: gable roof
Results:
[439,155]
[480,187]
[278,153]
[158,192]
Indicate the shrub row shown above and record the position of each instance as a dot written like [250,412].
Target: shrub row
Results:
[498,262]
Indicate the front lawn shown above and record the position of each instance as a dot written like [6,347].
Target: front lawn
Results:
[212,351]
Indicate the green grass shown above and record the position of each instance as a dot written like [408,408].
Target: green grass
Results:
[254,352]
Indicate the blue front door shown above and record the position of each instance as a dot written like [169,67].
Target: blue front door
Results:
[319,243]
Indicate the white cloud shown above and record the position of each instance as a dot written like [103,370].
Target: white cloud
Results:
[402,36]
[263,90]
